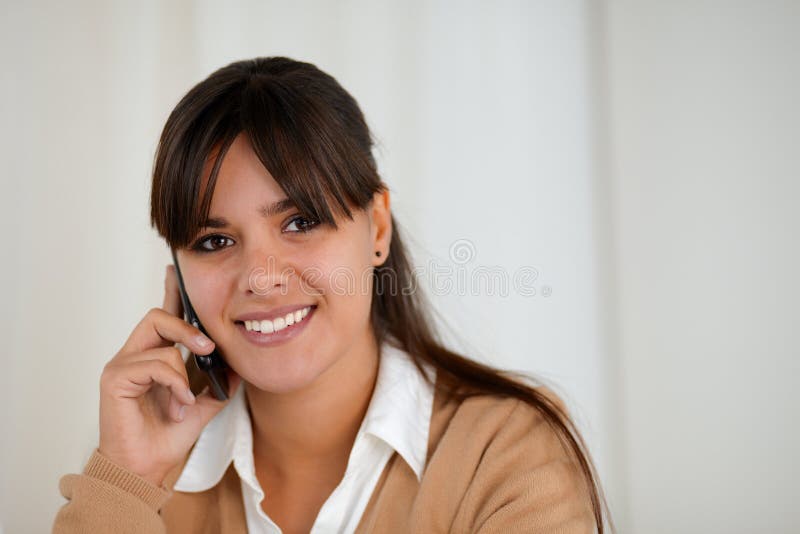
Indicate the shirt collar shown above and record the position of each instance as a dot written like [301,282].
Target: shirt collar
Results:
[400,410]
[399,414]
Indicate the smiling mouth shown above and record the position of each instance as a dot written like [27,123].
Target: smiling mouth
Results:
[285,333]
[267,326]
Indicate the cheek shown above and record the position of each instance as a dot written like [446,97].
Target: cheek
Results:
[340,266]
[209,294]
[346,286]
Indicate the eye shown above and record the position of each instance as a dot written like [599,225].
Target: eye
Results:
[213,240]
[302,224]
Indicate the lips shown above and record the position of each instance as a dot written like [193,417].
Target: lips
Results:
[281,335]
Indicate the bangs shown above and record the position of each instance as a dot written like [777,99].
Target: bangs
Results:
[298,127]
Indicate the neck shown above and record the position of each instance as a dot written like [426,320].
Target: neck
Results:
[317,424]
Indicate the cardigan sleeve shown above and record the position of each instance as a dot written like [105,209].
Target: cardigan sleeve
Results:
[108,498]
[526,482]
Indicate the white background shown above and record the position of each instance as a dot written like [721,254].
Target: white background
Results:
[641,156]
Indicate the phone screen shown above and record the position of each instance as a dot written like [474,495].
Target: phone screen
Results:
[212,363]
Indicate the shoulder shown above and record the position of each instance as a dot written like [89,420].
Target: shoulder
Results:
[487,418]
[514,467]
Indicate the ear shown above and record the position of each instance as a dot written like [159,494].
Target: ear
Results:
[381,226]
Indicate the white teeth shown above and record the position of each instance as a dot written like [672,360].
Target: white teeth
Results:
[279,323]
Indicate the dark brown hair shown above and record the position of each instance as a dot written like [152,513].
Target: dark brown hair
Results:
[312,137]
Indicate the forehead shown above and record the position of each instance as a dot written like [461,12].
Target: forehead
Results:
[244,187]
[242,179]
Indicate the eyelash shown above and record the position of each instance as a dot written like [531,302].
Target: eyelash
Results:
[198,245]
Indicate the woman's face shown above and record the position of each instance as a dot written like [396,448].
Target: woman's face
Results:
[255,261]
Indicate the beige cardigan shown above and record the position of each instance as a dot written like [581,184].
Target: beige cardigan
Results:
[493,465]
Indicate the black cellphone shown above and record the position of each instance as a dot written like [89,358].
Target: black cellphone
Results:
[212,363]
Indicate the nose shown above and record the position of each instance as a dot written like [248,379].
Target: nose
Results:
[265,274]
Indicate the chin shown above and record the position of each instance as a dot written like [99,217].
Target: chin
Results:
[281,375]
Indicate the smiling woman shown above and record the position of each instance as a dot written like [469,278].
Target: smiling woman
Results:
[347,413]
[260,264]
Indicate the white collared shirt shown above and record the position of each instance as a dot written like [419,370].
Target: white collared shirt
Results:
[397,419]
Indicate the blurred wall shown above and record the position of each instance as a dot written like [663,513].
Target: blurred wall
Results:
[704,124]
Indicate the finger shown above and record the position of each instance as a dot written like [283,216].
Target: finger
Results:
[172,296]
[159,328]
[170,405]
[170,355]
[207,406]
[176,408]
[134,379]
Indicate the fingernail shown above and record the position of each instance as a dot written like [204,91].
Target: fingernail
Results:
[181,411]
[203,341]
[190,394]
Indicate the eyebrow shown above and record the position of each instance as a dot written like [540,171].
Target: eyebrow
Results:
[266,211]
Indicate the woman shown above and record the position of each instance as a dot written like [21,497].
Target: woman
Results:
[346,412]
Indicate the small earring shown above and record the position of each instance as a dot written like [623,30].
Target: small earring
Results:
[378,253]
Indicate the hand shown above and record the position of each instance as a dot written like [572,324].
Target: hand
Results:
[149,419]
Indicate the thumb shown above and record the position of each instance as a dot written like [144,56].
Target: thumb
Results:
[207,406]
